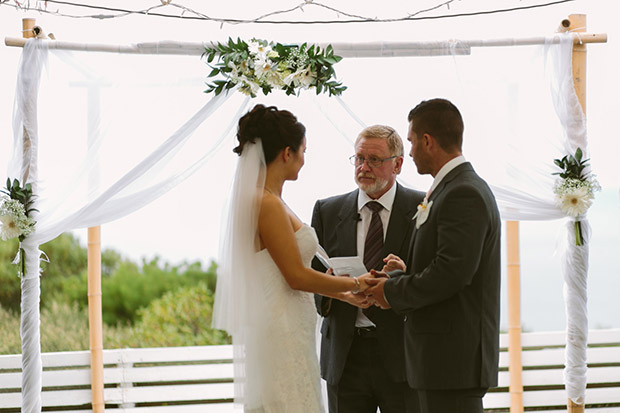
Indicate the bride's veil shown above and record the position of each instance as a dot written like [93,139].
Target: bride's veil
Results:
[238,302]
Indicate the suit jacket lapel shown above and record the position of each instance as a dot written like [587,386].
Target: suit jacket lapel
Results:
[400,222]
[346,227]
[466,166]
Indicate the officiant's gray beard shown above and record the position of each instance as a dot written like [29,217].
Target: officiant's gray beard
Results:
[378,186]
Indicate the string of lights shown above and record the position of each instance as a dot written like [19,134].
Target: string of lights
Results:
[187,13]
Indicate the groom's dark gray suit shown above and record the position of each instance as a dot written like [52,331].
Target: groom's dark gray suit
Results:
[335,220]
[450,292]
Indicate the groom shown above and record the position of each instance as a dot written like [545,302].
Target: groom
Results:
[362,354]
[449,294]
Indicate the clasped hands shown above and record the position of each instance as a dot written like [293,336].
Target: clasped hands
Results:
[372,283]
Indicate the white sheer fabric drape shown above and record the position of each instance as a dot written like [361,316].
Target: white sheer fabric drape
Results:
[575,261]
[82,201]
[510,144]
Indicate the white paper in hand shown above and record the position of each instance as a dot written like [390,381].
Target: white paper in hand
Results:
[353,266]
[348,265]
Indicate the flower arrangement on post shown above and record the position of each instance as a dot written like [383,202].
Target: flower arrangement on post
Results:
[15,209]
[574,192]
[261,65]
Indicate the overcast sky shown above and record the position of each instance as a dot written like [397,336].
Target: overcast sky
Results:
[538,240]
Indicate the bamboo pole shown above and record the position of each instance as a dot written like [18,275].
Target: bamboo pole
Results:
[95,321]
[348,50]
[95,318]
[95,310]
[578,25]
[515,366]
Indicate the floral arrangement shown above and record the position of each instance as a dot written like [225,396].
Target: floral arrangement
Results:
[574,192]
[261,65]
[15,208]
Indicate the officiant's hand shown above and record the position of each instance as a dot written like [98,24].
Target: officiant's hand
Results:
[393,262]
[375,289]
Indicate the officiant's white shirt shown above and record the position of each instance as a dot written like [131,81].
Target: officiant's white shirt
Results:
[387,201]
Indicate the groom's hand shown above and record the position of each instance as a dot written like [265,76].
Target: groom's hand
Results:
[375,291]
[358,300]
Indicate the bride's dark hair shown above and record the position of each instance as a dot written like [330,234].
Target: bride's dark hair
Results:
[277,129]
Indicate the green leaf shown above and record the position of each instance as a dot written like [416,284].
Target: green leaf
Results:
[578,154]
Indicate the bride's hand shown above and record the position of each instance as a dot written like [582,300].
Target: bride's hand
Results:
[363,284]
[358,300]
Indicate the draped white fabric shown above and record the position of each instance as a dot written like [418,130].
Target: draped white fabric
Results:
[520,113]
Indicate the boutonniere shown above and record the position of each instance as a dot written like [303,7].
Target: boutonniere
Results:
[421,216]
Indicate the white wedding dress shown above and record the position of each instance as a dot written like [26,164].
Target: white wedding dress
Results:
[287,370]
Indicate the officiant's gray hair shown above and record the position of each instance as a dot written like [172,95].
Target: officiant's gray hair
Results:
[394,141]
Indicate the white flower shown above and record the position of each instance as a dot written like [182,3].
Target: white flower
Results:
[574,196]
[8,228]
[575,201]
[249,86]
[301,78]
[262,66]
[306,77]
[13,218]
[261,51]
[422,215]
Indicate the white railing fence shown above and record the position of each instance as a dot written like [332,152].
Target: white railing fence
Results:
[199,379]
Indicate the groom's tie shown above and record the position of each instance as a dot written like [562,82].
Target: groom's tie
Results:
[373,246]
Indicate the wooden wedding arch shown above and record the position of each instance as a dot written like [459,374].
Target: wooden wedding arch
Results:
[575,23]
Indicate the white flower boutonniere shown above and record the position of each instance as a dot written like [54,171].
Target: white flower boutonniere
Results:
[424,209]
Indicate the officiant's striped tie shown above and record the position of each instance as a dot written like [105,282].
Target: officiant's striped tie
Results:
[374,238]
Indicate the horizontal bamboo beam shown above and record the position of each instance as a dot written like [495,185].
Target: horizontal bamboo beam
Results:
[371,49]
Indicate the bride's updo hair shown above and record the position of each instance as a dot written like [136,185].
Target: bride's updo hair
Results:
[277,129]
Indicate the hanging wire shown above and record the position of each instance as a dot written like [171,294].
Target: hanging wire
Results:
[190,14]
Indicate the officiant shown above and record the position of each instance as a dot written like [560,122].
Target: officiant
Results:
[362,353]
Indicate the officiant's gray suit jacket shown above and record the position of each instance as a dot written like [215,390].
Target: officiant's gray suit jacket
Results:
[450,293]
[335,221]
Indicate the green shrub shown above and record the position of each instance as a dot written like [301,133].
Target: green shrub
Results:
[10,292]
[181,318]
[64,327]
[9,331]
[132,288]
[67,260]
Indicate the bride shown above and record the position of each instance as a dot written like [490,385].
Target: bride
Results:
[263,296]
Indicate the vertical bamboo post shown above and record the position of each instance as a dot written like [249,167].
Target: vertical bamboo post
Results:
[515,366]
[95,319]
[578,24]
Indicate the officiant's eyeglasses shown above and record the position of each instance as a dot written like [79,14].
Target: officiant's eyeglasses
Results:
[372,161]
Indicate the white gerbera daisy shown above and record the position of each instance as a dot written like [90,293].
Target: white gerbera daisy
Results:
[575,201]
[9,227]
